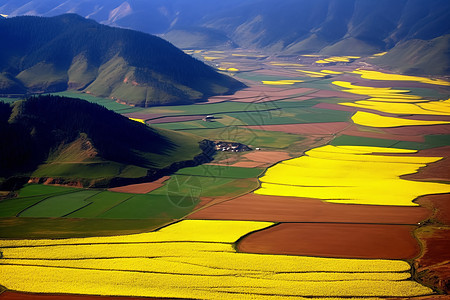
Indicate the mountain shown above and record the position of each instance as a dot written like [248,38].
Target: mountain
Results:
[72,140]
[286,27]
[289,26]
[334,27]
[70,52]
[419,57]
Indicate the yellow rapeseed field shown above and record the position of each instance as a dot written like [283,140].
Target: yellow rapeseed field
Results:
[285,64]
[313,74]
[394,101]
[351,174]
[375,75]
[193,259]
[336,59]
[374,120]
[138,120]
[438,108]
[331,72]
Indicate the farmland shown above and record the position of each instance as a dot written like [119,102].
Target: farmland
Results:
[346,196]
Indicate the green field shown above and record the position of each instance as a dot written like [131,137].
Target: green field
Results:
[204,186]
[347,140]
[53,228]
[59,206]
[89,170]
[108,103]
[221,171]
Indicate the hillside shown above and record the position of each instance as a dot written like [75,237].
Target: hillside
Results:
[333,27]
[72,140]
[419,57]
[70,52]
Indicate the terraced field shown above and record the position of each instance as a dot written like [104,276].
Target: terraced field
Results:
[346,198]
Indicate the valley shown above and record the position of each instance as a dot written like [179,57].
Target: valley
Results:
[344,194]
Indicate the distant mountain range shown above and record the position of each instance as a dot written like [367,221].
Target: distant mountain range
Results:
[69,140]
[329,27]
[71,52]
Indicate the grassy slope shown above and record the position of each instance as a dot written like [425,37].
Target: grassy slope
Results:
[419,57]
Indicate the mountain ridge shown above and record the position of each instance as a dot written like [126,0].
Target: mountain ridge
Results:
[72,140]
[70,52]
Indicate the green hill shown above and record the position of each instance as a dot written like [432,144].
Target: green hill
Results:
[70,52]
[419,57]
[68,140]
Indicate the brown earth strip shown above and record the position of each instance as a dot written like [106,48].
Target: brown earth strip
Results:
[440,205]
[242,164]
[267,156]
[253,207]
[377,133]
[419,130]
[311,128]
[334,240]
[8,295]
[433,267]
[141,188]
[438,171]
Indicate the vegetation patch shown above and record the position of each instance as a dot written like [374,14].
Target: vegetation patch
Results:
[151,263]
[221,171]
[323,173]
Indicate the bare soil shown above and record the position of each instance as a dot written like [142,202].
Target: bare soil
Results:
[141,188]
[254,207]
[334,240]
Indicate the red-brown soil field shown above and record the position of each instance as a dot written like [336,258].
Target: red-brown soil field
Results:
[253,207]
[334,240]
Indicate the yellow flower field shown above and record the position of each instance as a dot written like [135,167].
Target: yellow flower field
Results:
[313,74]
[438,108]
[212,57]
[375,75]
[194,259]
[331,72]
[351,174]
[380,54]
[394,101]
[336,59]
[285,64]
[374,120]
[138,120]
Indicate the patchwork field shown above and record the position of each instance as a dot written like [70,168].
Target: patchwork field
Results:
[347,196]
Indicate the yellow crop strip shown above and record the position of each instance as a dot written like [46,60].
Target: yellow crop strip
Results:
[286,64]
[193,259]
[312,74]
[375,75]
[138,120]
[438,108]
[331,72]
[394,101]
[374,120]
[351,174]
